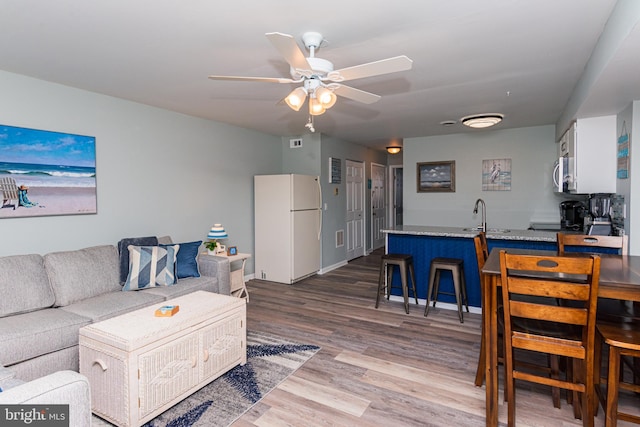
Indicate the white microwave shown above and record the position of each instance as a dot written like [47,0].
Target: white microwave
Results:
[562,177]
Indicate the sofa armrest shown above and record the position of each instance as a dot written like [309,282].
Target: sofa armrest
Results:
[216,266]
[8,379]
[5,373]
[62,387]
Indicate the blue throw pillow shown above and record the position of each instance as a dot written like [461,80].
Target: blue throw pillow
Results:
[187,259]
[151,266]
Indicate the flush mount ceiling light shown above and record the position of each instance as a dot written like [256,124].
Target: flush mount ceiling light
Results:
[394,150]
[481,121]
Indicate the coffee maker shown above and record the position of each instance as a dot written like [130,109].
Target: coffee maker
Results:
[572,214]
[598,222]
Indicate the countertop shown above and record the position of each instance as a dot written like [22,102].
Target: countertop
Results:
[422,230]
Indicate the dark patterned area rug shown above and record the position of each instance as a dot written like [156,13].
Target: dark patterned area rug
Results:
[270,360]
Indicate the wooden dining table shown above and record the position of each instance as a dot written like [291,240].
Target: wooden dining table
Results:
[619,279]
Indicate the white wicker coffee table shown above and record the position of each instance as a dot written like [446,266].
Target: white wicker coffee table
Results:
[139,365]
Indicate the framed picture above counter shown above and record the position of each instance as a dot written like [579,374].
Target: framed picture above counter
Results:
[436,176]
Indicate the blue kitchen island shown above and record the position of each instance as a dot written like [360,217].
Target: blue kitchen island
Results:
[426,243]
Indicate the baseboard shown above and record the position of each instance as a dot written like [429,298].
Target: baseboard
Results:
[443,305]
[333,267]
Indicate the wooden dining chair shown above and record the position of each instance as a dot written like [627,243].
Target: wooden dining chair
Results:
[531,286]
[482,253]
[597,243]
[608,309]
[619,312]
[623,340]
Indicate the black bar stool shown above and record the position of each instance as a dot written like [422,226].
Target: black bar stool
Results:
[455,266]
[404,263]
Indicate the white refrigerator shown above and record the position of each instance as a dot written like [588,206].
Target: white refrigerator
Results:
[288,218]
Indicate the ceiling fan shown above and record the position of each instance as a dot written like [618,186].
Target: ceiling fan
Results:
[320,82]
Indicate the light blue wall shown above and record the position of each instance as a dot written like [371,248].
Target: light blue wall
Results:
[164,173]
[303,160]
[158,172]
[532,152]
[335,214]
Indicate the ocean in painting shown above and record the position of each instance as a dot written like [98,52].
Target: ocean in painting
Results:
[435,184]
[40,175]
[500,182]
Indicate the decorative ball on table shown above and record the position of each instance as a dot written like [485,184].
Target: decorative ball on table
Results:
[216,233]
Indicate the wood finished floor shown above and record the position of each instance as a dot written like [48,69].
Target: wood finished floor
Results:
[379,367]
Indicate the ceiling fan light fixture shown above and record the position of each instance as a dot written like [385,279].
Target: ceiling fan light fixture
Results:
[481,121]
[296,98]
[315,107]
[394,150]
[326,97]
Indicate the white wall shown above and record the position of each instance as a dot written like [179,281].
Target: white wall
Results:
[630,117]
[157,172]
[532,152]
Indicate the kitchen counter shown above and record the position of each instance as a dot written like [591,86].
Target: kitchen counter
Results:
[427,242]
[470,233]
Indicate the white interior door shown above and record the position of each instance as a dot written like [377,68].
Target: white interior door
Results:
[355,209]
[378,212]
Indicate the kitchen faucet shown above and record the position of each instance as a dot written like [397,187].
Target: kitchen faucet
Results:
[484,213]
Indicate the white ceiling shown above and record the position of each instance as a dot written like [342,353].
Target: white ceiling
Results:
[517,57]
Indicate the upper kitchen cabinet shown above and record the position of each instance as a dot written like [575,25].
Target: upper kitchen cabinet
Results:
[589,150]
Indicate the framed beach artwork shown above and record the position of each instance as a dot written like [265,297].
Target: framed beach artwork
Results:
[436,176]
[46,173]
[496,175]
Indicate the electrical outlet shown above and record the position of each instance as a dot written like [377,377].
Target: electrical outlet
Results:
[295,143]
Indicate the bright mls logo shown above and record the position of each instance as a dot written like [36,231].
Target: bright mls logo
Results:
[34,415]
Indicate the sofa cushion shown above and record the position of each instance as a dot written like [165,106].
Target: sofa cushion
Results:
[123,251]
[185,286]
[112,304]
[187,259]
[27,279]
[76,275]
[29,335]
[151,266]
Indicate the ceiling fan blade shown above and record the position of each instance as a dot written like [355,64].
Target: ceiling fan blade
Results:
[384,66]
[355,94]
[288,48]
[255,79]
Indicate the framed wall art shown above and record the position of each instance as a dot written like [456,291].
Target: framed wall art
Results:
[436,176]
[335,170]
[46,173]
[496,175]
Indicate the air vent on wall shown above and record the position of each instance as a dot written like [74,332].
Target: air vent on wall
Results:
[339,238]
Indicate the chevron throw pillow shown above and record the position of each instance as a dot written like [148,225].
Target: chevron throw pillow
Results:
[151,266]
